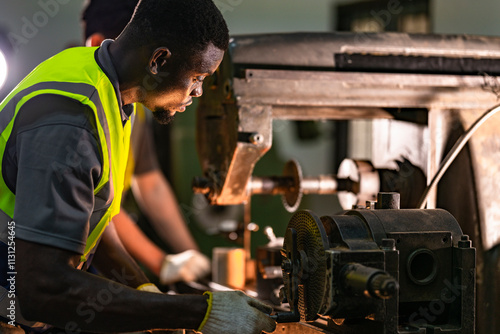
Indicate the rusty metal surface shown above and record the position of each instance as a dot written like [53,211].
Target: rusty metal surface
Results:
[301,328]
[260,81]
[316,49]
[360,89]
[485,155]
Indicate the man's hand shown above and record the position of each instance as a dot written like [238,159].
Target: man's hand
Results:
[233,312]
[187,266]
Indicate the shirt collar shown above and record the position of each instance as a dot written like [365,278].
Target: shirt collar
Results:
[104,60]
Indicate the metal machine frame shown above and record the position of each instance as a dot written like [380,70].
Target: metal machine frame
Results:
[437,80]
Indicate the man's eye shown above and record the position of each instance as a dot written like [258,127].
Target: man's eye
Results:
[198,79]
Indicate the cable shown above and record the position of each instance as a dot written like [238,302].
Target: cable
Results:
[453,153]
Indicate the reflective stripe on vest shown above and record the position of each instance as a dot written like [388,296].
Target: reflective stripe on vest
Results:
[139,125]
[74,73]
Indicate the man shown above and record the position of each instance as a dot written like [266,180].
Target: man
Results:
[104,19]
[65,134]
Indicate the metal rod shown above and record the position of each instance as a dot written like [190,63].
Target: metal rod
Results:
[247,208]
[270,185]
[322,184]
[279,185]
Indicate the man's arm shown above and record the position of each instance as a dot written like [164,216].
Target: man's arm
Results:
[186,266]
[111,257]
[137,243]
[51,290]
[156,198]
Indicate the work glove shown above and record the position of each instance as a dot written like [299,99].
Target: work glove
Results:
[187,266]
[233,312]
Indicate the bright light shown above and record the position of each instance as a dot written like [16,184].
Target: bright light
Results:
[3,69]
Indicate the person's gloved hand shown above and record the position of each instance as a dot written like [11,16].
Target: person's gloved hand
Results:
[187,266]
[233,312]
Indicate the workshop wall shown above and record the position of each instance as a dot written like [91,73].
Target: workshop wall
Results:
[37,29]
[478,17]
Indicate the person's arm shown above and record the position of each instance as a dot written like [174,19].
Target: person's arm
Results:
[137,243]
[111,257]
[51,290]
[157,200]
[188,266]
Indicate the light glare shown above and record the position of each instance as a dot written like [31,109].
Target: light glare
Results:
[3,69]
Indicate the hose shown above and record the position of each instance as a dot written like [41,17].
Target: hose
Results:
[453,153]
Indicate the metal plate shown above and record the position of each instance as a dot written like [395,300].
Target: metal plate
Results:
[292,197]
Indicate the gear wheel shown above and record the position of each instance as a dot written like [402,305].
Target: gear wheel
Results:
[311,243]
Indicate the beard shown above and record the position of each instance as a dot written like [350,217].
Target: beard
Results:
[163,116]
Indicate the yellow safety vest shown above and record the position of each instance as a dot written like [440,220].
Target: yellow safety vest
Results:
[74,73]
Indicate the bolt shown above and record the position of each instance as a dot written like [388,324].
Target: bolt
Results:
[464,242]
[256,138]
[388,244]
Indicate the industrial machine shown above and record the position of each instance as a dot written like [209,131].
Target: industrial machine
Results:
[371,268]
[379,270]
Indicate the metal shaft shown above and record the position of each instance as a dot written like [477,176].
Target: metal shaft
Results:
[279,185]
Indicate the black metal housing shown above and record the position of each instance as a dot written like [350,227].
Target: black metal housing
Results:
[424,251]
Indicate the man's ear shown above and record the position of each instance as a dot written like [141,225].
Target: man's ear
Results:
[95,39]
[158,59]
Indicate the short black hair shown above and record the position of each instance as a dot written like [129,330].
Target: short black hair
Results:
[107,17]
[187,25]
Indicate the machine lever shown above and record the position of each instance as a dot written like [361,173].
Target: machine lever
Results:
[371,282]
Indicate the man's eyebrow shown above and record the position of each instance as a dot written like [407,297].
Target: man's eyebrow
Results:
[205,73]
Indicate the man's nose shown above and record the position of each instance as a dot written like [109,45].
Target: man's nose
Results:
[198,91]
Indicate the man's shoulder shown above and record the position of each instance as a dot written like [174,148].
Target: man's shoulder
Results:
[53,109]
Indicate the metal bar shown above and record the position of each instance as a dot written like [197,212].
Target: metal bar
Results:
[279,185]
[271,185]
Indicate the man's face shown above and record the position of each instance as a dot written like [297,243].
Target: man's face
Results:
[173,88]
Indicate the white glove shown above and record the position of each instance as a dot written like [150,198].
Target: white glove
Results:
[233,312]
[187,266]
